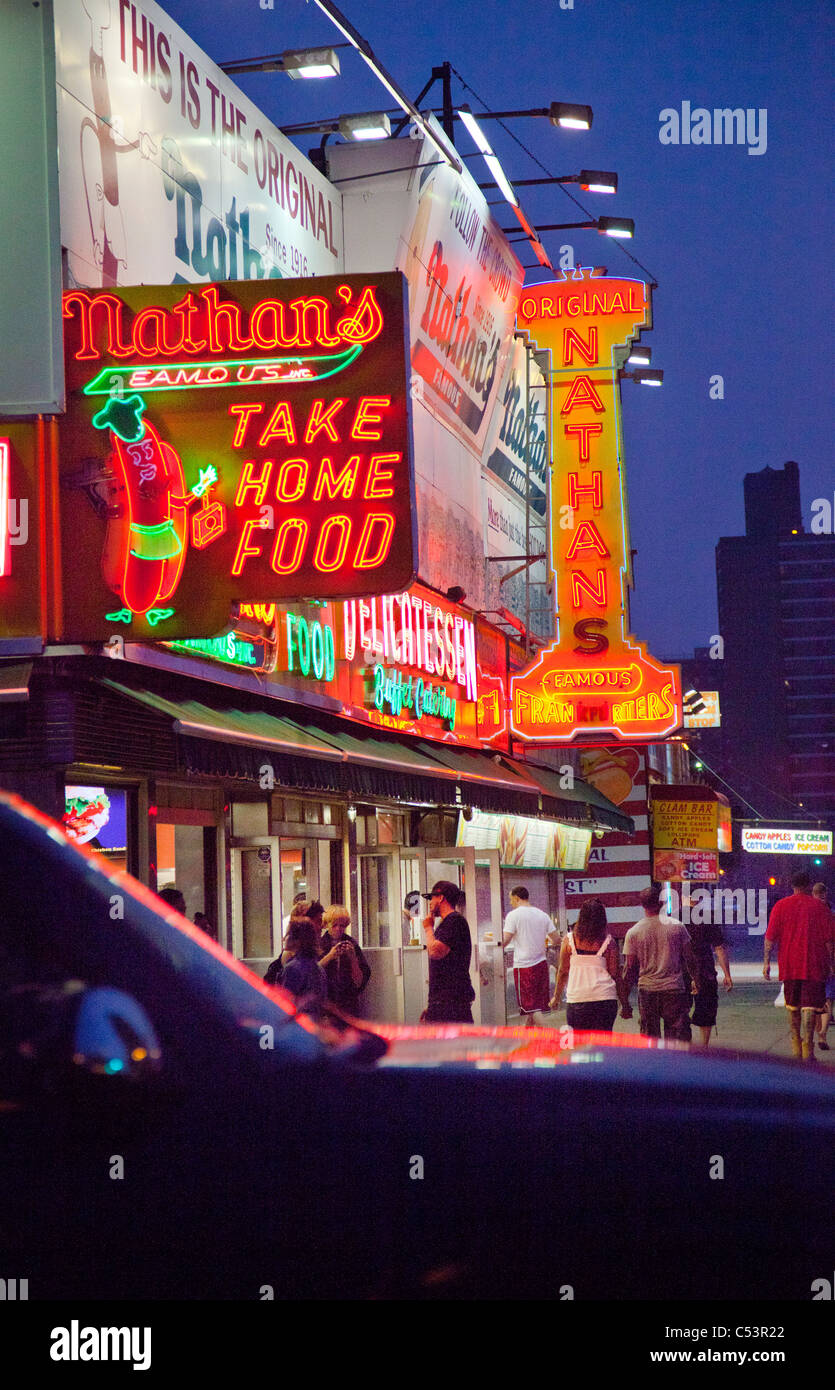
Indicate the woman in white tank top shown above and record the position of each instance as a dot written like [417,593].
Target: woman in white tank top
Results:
[589,967]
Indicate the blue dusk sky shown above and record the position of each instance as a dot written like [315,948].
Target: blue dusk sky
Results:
[739,242]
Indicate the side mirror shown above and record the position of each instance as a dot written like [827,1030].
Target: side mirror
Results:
[53,1035]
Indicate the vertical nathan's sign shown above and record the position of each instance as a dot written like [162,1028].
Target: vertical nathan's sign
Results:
[596,680]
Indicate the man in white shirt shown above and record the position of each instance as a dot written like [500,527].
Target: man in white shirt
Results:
[526,931]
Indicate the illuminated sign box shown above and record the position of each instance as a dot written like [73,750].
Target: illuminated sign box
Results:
[596,681]
[760,840]
[223,442]
[526,843]
[685,824]
[685,866]
[709,717]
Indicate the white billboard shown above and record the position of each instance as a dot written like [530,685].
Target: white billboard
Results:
[167,171]
[404,208]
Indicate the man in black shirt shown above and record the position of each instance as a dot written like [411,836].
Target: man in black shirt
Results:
[449,947]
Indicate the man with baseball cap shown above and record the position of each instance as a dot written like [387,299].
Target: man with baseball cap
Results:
[449,947]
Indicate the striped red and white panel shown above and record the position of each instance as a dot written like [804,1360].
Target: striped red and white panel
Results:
[619,866]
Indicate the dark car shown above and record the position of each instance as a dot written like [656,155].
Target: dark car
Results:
[171,1129]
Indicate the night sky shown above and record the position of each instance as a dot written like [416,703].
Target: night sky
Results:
[739,243]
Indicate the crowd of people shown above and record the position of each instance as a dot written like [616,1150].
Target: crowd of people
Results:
[673,966]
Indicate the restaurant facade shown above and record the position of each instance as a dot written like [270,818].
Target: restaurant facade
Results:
[277,586]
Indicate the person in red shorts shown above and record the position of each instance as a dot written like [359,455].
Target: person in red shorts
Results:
[527,932]
[804,931]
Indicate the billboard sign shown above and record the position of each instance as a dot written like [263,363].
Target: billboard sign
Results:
[168,172]
[226,442]
[596,682]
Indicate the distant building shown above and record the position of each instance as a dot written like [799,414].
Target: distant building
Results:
[776,602]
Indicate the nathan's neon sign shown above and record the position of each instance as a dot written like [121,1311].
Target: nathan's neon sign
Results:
[258,440]
[596,680]
[203,322]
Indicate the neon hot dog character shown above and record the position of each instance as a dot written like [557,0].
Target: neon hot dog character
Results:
[147,531]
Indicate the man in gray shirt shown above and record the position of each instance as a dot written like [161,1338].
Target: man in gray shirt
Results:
[654,953]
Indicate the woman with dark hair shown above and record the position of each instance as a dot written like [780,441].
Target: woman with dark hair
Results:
[301,974]
[588,965]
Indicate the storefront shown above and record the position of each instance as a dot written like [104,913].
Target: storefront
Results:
[241,799]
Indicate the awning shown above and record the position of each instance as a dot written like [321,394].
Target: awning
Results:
[14,680]
[326,756]
[580,802]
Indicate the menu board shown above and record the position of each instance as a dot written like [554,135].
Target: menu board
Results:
[526,843]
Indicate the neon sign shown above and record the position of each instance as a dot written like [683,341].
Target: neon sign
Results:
[596,680]
[395,692]
[258,441]
[5,547]
[231,648]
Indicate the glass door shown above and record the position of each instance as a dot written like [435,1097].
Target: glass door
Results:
[478,875]
[256,901]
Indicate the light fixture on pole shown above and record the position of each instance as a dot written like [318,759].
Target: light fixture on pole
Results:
[367,125]
[639,356]
[301,62]
[590,180]
[646,376]
[609,226]
[569,116]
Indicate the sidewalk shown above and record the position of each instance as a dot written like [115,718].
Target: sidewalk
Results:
[747,1019]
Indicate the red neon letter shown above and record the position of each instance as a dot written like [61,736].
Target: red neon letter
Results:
[321,310]
[279,426]
[338,559]
[584,433]
[5,552]
[578,493]
[582,393]
[258,485]
[229,316]
[279,561]
[244,411]
[588,350]
[320,420]
[87,306]
[378,480]
[287,491]
[596,594]
[363,560]
[245,550]
[341,486]
[365,322]
[364,417]
[159,347]
[586,537]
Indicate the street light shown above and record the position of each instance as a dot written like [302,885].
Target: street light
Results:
[590,180]
[569,116]
[639,356]
[367,125]
[609,226]
[301,62]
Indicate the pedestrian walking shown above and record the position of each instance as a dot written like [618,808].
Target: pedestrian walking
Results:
[527,933]
[346,970]
[706,941]
[803,929]
[449,946]
[588,971]
[656,953]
